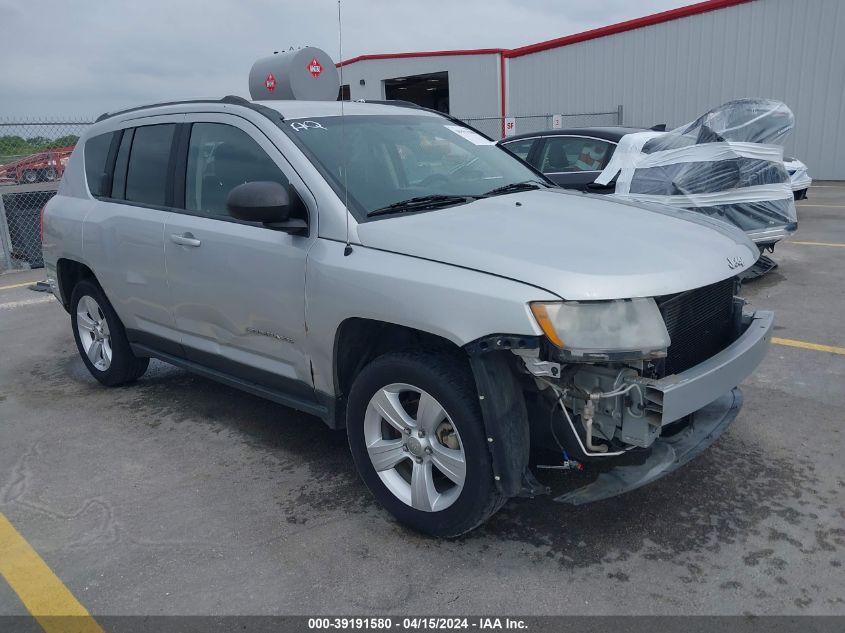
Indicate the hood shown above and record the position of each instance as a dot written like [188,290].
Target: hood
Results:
[577,246]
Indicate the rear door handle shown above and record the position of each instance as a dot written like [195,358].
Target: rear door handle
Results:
[186,239]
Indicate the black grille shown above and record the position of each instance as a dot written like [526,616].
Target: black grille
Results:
[699,323]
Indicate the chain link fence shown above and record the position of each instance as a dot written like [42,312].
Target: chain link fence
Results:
[33,156]
[493,126]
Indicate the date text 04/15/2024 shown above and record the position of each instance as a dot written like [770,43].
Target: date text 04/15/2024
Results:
[417,623]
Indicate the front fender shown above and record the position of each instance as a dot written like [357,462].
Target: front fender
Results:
[453,303]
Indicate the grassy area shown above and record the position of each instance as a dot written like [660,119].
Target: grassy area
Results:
[14,147]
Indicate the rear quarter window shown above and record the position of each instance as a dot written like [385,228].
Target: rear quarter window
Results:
[96,152]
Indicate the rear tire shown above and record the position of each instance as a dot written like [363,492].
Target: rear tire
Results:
[101,338]
[416,416]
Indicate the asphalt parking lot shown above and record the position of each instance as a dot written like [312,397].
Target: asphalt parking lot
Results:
[180,496]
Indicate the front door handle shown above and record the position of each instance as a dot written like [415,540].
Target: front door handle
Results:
[186,239]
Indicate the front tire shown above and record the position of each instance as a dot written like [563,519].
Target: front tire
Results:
[101,338]
[417,438]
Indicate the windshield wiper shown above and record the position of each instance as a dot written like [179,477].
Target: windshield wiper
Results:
[515,186]
[419,203]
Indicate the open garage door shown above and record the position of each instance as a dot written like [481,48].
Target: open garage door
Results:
[429,91]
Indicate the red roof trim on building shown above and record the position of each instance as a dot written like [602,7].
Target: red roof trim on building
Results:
[471,51]
[613,29]
[621,27]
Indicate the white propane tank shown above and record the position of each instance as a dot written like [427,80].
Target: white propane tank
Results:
[307,74]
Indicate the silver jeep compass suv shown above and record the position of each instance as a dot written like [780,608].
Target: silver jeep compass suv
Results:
[395,273]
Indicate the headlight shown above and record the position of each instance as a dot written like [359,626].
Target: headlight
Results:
[626,327]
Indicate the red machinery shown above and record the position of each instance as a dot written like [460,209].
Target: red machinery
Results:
[48,166]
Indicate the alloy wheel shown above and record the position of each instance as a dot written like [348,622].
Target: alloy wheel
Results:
[414,447]
[94,332]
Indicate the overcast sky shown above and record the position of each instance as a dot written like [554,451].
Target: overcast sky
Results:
[78,58]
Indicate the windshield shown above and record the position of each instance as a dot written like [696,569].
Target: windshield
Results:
[394,158]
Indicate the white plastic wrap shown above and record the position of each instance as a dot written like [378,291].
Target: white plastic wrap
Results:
[727,164]
[799,179]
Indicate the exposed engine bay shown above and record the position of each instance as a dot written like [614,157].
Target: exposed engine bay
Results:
[611,405]
[658,408]
[596,410]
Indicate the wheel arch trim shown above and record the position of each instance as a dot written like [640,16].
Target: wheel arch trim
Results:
[69,272]
[505,416]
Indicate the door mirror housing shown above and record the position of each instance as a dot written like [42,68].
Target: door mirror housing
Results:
[259,201]
[266,202]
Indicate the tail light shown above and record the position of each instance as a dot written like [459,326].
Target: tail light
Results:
[41,223]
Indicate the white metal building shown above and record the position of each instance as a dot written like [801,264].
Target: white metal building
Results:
[668,67]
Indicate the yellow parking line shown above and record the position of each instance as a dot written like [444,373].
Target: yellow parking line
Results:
[40,590]
[816,243]
[822,206]
[805,345]
[28,283]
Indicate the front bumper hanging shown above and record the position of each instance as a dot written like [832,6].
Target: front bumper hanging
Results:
[684,393]
[707,392]
[667,453]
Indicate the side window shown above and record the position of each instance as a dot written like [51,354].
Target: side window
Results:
[574,153]
[146,177]
[118,187]
[221,157]
[520,148]
[96,155]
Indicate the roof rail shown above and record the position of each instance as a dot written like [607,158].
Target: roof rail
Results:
[230,99]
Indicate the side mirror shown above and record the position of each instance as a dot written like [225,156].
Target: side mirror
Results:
[266,202]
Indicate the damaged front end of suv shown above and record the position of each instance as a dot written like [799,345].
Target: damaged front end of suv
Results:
[635,387]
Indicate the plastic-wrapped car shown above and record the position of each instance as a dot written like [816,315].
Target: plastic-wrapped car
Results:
[556,153]
[727,164]
[799,179]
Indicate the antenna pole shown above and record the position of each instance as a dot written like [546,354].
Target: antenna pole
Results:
[347,250]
